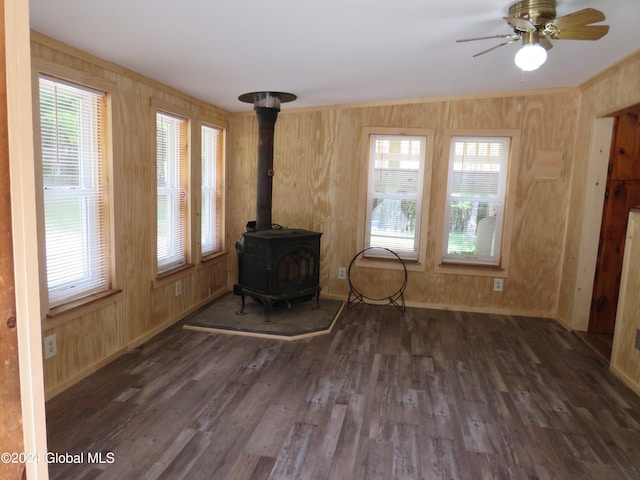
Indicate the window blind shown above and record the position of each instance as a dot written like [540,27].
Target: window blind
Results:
[75,194]
[171,191]
[476,190]
[212,192]
[394,198]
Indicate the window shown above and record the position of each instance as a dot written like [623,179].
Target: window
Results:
[212,190]
[395,194]
[475,202]
[171,166]
[74,177]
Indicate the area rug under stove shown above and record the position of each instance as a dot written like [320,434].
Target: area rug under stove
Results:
[287,321]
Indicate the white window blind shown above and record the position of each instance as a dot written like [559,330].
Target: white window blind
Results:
[394,198]
[75,194]
[171,191]
[212,191]
[476,189]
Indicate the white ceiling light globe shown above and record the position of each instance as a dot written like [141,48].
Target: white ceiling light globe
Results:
[531,56]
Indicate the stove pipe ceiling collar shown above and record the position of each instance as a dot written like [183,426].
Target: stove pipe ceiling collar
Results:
[267,99]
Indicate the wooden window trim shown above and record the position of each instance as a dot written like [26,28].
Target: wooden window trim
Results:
[501,270]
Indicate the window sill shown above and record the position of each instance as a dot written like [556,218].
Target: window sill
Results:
[72,310]
[213,256]
[172,275]
[475,270]
[390,264]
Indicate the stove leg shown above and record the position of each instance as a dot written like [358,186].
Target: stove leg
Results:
[317,307]
[241,311]
[267,312]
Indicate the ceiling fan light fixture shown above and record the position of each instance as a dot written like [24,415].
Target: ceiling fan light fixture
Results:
[531,56]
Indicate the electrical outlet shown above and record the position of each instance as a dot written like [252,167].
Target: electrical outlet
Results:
[50,346]
[178,288]
[498,284]
[342,273]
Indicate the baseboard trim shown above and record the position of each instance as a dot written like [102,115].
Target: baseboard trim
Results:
[625,379]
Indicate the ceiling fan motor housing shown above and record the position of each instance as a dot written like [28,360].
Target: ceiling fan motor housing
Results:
[538,12]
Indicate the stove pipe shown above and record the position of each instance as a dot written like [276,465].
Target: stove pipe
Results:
[266,106]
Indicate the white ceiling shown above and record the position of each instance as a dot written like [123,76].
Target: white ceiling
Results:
[328,51]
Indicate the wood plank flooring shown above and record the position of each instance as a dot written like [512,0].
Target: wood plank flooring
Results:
[600,343]
[426,394]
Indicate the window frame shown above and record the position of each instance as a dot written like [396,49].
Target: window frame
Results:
[474,267]
[219,191]
[184,196]
[373,258]
[100,238]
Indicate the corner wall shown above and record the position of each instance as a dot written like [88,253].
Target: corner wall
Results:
[95,334]
[320,161]
[611,92]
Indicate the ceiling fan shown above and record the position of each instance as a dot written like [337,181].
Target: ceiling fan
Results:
[535,23]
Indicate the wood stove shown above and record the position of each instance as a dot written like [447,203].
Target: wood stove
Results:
[274,263]
[278,264]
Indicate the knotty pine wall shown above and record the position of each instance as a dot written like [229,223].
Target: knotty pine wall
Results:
[320,160]
[89,337]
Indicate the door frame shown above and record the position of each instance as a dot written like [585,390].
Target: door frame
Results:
[25,248]
[593,201]
[597,322]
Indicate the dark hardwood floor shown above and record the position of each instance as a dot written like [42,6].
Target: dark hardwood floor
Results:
[422,395]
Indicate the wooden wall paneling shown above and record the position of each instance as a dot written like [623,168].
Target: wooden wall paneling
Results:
[84,343]
[134,184]
[548,165]
[299,134]
[437,285]
[302,192]
[241,181]
[612,91]
[538,240]
[302,179]
[625,357]
[326,219]
[242,177]
[499,113]
[352,148]
[145,307]
[212,278]
[346,183]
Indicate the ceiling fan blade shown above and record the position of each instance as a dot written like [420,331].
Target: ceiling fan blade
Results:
[587,32]
[521,24]
[493,48]
[583,17]
[507,35]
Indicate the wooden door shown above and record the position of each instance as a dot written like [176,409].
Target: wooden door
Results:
[622,193]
